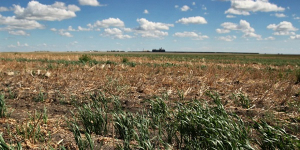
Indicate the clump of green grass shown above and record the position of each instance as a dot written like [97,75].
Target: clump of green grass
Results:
[82,142]
[274,138]
[3,107]
[124,126]
[242,100]
[209,127]
[94,119]
[297,76]
[40,97]
[85,58]
[125,60]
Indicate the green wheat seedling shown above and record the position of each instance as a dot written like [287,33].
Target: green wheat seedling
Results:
[40,97]
[202,127]
[94,118]
[82,142]
[242,100]
[274,138]
[124,127]
[143,134]
[31,129]
[3,107]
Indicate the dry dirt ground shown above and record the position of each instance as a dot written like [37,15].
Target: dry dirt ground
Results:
[35,84]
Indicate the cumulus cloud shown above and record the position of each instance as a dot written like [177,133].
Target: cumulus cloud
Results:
[12,23]
[270,38]
[83,29]
[237,12]
[64,33]
[153,34]
[243,26]
[192,35]
[295,37]
[243,7]
[280,15]
[89,2]
[230,16]
[283,28]
[18,32]
[227,38]
[148,25]
[192,20]
[37,11]
[185,8]
[152,29]
[3,9]
[146,11]
[115,33]
[18,45]
[115,22]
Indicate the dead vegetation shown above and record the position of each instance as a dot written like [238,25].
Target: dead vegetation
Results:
[42,90]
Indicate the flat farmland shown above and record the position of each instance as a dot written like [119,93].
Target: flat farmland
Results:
[149,101]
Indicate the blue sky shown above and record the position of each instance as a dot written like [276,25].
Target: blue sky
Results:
[264,26]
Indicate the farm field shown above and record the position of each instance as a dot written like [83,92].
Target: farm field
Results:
[149,101]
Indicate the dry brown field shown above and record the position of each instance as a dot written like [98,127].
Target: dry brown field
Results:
[43,91]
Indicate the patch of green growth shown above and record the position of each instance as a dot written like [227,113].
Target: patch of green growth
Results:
[242,100]
[40,97]
[274,138]
[85,58]
[3,107]
[82,142]
[297,76]
[125,60]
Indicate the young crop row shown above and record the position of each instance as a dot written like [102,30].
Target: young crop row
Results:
[159,124]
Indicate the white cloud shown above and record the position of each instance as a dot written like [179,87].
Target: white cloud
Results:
[151,29]
[3,9]
[185,8]
[18,45]
[70,28]
[12,23]
[270,38]
[153,34]
[18,32]
[243,26]
[116,22]
[192,35]
[227,38]
[194,3]
[222,31]
[89,2]
[192,20]
[176,6]
[295,37]
[37,11]
[148,25]
[253,35]
[53,29]
[280,15]
[237,12]
[146,11]
[63,33]
[203,7]
[243,7]
[297,18]
[230,16]
[283,28]
[116,33]
[83,29]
